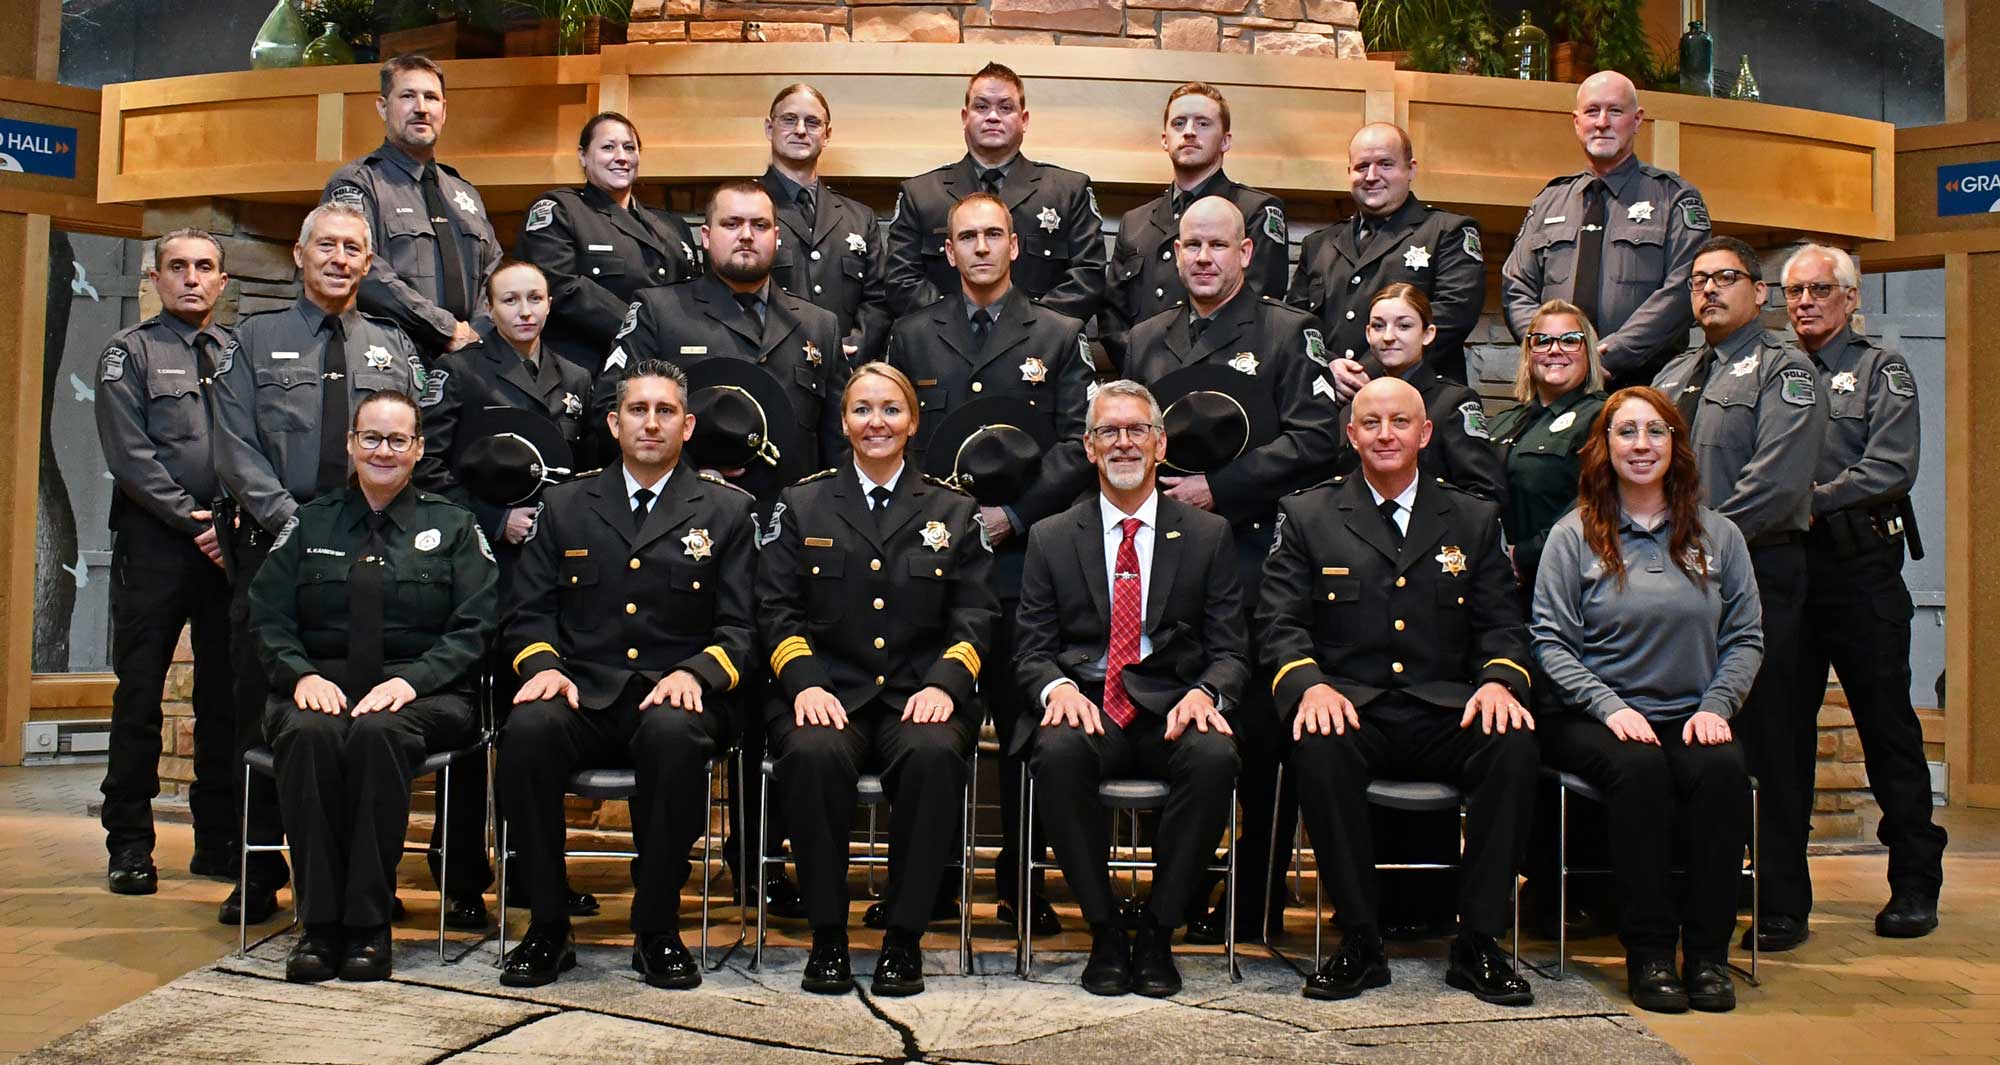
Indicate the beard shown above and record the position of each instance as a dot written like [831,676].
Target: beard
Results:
[1127,481]
[754,272]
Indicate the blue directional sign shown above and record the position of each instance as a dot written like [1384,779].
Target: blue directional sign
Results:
[1969,188]
[33,148]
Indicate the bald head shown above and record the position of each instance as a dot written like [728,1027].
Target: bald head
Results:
[1380,167]
[1607,118]
[1213,214]
[1388,429]
[1212,253]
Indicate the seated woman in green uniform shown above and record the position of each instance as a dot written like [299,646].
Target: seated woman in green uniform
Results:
[370,614]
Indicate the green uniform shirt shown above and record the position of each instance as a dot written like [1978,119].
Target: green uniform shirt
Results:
[1542,447]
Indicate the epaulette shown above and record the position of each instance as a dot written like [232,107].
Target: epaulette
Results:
[1563,179]
[1331,482]
[583,474]
[1442,483]
[715,479]
[811,477]
[944,484]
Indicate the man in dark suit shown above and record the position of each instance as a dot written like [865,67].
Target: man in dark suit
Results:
[631,615]
[1055,212]
[1389,598]
[985,340]
[1132,654]
[830,250]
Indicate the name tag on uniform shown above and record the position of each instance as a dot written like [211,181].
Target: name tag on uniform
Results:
[580,552]
[176,369]
[601,247]
[1333,571]
[284,354]
[818,541]
[926,382]
[1554,218]
[406,210]
[694,349]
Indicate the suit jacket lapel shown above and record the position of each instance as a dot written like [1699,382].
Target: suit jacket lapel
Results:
[1393,229]
[852,506]
[1427,527]
[1229,323]
[1009,328]
[675,506]
[903,505]
[1167,541]
[1177,336]
[948,321]
[1022,178]
[1357,508]
[1090,556]
[719,303]
[634,224]
[611,504]
[778,326]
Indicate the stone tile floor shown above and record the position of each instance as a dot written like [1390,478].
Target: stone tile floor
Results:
[70,952]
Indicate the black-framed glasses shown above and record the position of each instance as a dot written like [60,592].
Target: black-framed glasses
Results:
[1543,343]
[1820,290]
[1656,432]
[369,440]
[1722,279]
[809,123]
[1109,435]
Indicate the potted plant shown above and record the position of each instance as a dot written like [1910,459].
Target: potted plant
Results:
[568,27]
[1602,35]
[1440,36]
[354,20]
[444,29]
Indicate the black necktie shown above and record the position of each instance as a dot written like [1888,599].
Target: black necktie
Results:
[534,369]
[642,501]
[878,498]
[1180,201]
[332,476]
[1363,233]
[365,581]
[807,207]
[982,326]
[451,267]
[1688,399]
[204,357]
[990,179]
[1196,327]
[1590,250]
[1388,508]
[752,304]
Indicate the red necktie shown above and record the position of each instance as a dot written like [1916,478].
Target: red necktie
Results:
[1127,590]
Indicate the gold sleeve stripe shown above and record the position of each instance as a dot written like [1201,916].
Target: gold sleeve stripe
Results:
[530,651]
[788,648]
[1515,666]
[722,657]
[964,655]
[1289,666]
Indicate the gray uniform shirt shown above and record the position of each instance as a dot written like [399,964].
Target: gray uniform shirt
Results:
[267,402]
[404,283]
[1654,223]
[152,418]
[1660,643]
[1872,428]
[1758,428]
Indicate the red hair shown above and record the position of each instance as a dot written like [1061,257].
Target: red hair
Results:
[1597,490]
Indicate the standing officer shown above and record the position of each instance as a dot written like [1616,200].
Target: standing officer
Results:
[1758,423]
[1055,211]
[1854,562]
[989,340]
[152,421]
[1394,237]
[1145,280]
[1388,596]
[1224,324]
[288,376]
[631,618]
[1616,239]
[429,225]
[598,245]
[830,251]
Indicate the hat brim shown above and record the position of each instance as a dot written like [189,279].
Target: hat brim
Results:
[784,446]
[1259,413]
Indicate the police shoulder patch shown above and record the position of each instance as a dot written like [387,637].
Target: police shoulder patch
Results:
[1473,413]
[1470,241]
[1796,386]
[534,523]
[1316,346]
[1896,376]
[433,392]
[348,194]
[630,322]
[114,365]
[1274,223]
[1277,535]
[1090,194]
[1694,213]
[228,359]
[285,533]
[484,547]
[898,211]
[540,216]
[775,526]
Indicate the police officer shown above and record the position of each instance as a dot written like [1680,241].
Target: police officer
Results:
[1854,562]
[152,421]
[630,621]
[1616,239]
[1393,237]
[1224,324]
[1388,597]
[1145,280]
[434,242]
[874,594]
[986,340]
[372,612]
[830,250]
[289,374]
[1055,212]
[1758,423]
[598,245]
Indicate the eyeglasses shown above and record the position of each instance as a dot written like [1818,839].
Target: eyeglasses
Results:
[809,123]
[369,440]
[1656,432]
[1820,290]
[1722,279]
[1543,343]
[1109,435]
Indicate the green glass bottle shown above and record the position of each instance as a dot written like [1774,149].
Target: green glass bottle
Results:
[1526,49]
[328,50]
[1746,82]
[1697,60]
[280,41]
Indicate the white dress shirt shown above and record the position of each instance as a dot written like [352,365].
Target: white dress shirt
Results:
[1142,544]
[632,487]
[1404,502]
[868,485]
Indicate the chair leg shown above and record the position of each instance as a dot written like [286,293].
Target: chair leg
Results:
[444,853]
[243,874]
[1562,881]
[1229,928]
[707,858]
[504,852]
[1023,928]
[965,869]
[757,885]
[1756,885]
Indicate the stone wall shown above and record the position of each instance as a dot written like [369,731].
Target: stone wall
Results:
[1263,27]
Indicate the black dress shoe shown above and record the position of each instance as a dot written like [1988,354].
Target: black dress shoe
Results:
[576,903]
[1042,919]
[1153,972]
[466,914]
[543,954]
[1776,932]
[367,956]
[1709,988]
[664,961]
[899,970]
[132,873]
[216,862]
[827,971]
[1109,970]
[877,914]
[1206,930]
[255,908]
[781,898]
[1655,986]
[1907,916]
[315,958]
[1356,967]
[1479,965]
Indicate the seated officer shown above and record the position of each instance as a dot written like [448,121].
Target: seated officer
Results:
[630,614]
[1132,653]
[370,613]
[1389,598]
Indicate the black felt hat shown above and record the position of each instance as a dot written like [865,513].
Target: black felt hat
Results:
[1213,414]
[991,448]
[743,420]
[508,454]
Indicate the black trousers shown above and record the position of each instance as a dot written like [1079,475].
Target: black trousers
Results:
[1780,733]
[1200,768]
[924,770]
[1400,739]
[160,582]
[669,751]
[344,786]
[1658,797]
[1869,648]
[266,869]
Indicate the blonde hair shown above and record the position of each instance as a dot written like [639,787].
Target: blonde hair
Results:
[1593,379]
[887,373]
